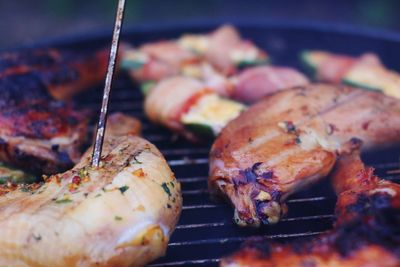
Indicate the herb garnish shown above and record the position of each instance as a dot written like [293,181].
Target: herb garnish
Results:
[122,189]
[166,189]
[62,201]
[118,218]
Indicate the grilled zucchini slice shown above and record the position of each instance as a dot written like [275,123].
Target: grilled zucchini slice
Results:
[374,78]
[210,114]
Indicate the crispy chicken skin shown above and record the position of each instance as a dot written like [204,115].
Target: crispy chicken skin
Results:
[290,140]
[120,214]
[39,133]
[366,232]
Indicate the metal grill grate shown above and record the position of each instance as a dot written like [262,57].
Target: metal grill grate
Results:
[206,231]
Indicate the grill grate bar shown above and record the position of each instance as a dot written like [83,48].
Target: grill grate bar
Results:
[184,151]
[180,263]
[192,179]
[213,206]
[224,223]
[180,162]
[386,165]
[241,238]
[195,191]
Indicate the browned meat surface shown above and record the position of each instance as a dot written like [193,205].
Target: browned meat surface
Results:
[38,132]
[290,140]
[366,232]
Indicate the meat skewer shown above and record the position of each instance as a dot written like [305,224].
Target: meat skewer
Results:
[365,233]
[101,124]
[290,140]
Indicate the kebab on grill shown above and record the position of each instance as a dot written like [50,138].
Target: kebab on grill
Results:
[119,214]
[193,98]
[366,71]
[290,140]
[366,232]
[224,49]
[222,60]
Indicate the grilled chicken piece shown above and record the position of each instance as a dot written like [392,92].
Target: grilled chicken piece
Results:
[290,140]
[45,136]
[366,232]
[120,214]
[39,133]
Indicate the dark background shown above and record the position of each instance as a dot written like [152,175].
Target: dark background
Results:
[25,22]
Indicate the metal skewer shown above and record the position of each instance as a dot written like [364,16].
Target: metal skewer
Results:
[101,125]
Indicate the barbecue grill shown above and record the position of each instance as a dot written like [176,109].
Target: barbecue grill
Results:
[206,231]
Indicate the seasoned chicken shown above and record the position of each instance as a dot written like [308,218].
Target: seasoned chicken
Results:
[120,214]
[366,233]
[39,133]
[290,140]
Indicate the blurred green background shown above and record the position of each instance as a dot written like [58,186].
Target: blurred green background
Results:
[29,21]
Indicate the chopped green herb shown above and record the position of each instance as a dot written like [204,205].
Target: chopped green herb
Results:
[136,161]
[172,184]
[166,189]
[62,201]
[117,218]
[123,188]
[97,195]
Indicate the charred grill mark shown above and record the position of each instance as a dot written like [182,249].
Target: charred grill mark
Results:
[19,88]
[369,204]
[382,229]
[29,59]
[61,76]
